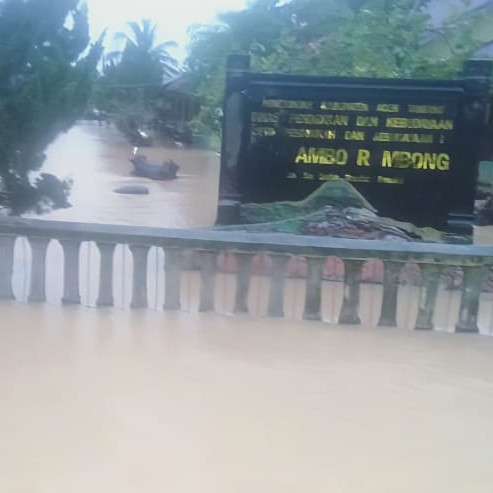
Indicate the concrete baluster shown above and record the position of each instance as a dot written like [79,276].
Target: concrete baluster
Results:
[277,283]
[430,278]
[350,305]
[140,255]
[172,268]
[71,293]
[243,282]
[388,316]
[105,296]
[39,247]
[472,287]
[313,297]
[207,288]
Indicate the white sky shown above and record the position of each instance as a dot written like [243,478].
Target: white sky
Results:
[172,16]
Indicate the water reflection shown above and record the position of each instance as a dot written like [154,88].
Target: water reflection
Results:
[112,401]
[97,159]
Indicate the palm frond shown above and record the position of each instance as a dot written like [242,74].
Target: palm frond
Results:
[165,46]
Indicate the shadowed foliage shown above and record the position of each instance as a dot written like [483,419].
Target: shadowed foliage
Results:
[46,73]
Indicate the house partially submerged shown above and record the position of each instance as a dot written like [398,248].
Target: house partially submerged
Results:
[178,107]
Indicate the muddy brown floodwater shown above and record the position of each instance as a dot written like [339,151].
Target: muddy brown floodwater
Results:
[149,402]
[97,159]
[119,401]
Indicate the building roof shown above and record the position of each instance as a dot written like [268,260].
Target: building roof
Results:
[180,84]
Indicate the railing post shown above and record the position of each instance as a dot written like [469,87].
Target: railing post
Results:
[39,246]
[277,283]
[71,294]
[140,255]
[350,305]
[244,261]
[7,244]
[388,317]
[430,274]
[472,287]
[207,288]
[172,268]
[313,298]
[105,297]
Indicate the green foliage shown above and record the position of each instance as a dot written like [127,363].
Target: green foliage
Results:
[130,86]
[142,60]
[335,209]
[45,84]
[364,38]
[337,193]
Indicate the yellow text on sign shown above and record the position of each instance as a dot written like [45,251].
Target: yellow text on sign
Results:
[416,160]
[319,119]
[363,158]
[388,108]
[322,155]
[287,104]
[420,123]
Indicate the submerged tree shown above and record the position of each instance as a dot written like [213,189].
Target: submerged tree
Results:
[46,74]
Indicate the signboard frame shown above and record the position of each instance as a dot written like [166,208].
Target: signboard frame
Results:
[411,147]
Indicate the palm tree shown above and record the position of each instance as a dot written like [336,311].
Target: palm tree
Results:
[133,77]
[140,41]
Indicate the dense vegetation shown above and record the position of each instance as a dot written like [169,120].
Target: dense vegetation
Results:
[45,84]
[372,38]
[47,68]
[129,90]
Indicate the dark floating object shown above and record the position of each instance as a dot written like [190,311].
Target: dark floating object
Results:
[132,190]
[165,171]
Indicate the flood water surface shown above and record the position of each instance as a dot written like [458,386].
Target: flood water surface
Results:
[133,402]
[124,401]
[97,160]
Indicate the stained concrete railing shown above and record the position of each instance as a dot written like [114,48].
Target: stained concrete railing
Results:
[207,245]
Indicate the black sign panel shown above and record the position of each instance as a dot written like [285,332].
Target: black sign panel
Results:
[410,147]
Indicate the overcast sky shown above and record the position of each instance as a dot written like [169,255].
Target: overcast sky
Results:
[172,16]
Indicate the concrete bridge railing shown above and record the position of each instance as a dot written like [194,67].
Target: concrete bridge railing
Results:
[207,246]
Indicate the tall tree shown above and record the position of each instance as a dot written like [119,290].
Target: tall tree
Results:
[45,84]
[373,38]
[130,86]
[140,47]
[256,30]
